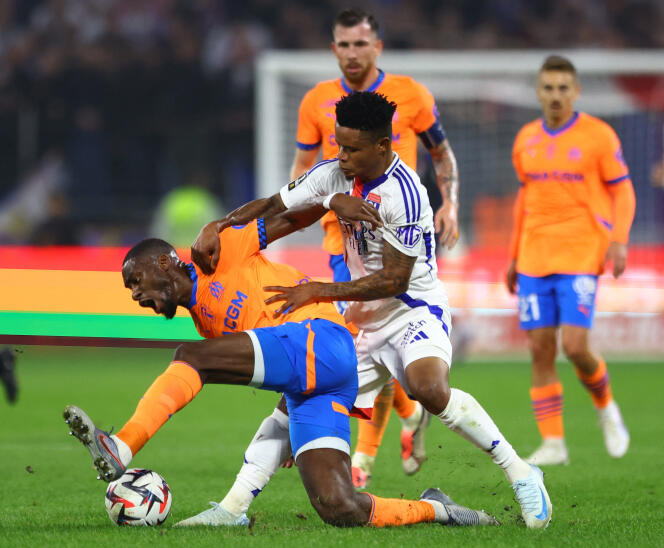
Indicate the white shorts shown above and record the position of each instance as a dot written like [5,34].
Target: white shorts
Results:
[387,352]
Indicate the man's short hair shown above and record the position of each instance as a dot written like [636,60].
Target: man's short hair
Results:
[152,247]
[367,111]
[558,63]
[354,16]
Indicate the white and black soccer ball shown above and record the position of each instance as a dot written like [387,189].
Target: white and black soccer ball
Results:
[139,497]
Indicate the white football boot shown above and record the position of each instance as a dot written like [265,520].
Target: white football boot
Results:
[553,451]
[214,517]
[616,436]
[535,503]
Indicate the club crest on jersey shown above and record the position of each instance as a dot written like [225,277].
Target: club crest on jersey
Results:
[217,290]
[373,199]
[297,181]
[409,235]
[574,154]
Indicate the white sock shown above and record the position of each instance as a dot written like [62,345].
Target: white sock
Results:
[269,448]
[465,416]
[411,423]
[124,452]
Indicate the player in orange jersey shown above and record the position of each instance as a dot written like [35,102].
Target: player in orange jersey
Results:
[308,354]
[573,213]
[357,46]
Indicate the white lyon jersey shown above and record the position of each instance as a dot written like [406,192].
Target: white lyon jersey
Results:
[403,205]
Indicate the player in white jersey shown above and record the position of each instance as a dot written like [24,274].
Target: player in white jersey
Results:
[398,329]
[398,303]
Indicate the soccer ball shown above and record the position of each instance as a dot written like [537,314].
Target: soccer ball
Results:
[139,497]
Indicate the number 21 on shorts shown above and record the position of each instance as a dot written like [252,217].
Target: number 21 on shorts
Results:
[529,308]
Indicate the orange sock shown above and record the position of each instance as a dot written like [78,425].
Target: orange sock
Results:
[597,384]
[548,407]
[403,405]
[396,512]
[169,393]
[370,433]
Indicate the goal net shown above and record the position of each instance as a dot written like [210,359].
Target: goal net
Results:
[484,98]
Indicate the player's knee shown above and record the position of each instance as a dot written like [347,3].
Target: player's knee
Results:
[338,509]
[428,382]
[575,350]
[187,352]
[542,347]
[434,395]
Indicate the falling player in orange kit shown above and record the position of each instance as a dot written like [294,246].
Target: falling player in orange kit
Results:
[308,354]
[573,213]
[356,46]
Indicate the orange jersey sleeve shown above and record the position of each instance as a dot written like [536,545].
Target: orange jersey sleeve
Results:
[416,112]
[316,118]
[568,210]
[624,207]
[615,175]
[242,241]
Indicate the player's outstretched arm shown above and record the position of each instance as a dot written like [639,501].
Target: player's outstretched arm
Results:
[446,220]
[293,219]
[205,249]
[391,280]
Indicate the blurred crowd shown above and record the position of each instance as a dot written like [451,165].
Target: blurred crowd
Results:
[107,105]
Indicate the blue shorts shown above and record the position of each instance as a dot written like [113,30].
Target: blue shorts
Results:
[549,301]
[314,364]
[340,272]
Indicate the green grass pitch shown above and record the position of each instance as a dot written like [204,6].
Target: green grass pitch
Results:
[49,495]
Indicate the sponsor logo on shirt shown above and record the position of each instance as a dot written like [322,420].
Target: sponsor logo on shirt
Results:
[373,199]
[561,176]
[297,181]
[413,333]
[409,235]
[233,311]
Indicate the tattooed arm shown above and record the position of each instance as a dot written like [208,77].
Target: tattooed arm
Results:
[391,280]
[447,177]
